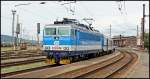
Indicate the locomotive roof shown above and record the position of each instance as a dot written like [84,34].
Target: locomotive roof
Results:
[67,21]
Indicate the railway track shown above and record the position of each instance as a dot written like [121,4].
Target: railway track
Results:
[20,54]
[28,70]
[113,67]
[22,61]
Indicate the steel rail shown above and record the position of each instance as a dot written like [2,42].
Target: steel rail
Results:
[45,73]
[104,69]
[27,70]
[86,70]
[4,65]
[121,73]
[109,68]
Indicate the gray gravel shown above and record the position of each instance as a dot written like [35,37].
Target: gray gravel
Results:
[142,68]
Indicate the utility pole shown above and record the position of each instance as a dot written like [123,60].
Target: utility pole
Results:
[38,32]
[20,33]
[17,31]
[138,36]
[120,41]
[13,12]
[32,42]
[143,19]
[110,31]
[37,41]
[137,31]
[143,23]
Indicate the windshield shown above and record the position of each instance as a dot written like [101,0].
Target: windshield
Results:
[63,31]
[50,31]
[57,31]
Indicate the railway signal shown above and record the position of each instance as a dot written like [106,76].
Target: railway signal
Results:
[110,31]
[17,32]
[38,32]
[120,40]
[18,29]
[38,28]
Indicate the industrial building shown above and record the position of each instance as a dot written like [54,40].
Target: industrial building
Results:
[122,41]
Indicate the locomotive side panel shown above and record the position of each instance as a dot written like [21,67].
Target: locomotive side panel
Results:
[88,41]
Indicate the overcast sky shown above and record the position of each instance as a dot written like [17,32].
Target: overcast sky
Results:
[103,12]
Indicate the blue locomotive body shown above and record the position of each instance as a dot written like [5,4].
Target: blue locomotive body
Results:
[66,41]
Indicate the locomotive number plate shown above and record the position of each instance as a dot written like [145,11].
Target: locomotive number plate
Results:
[56,47]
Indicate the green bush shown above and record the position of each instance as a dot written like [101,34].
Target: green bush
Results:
[146,40]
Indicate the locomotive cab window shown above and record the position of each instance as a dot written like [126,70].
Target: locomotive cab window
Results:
[50,31]
[72,32]
[63,31]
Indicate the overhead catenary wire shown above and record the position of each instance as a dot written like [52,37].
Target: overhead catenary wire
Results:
[87,11]
[69,8]
[119,6]
[125,8]
[37,16]
[122,9]
[4,5]
[91,18]
[33,13]
[91,14]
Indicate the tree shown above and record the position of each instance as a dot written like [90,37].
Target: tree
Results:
[146,40]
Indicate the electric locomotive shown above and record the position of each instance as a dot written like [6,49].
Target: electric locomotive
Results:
[68,40]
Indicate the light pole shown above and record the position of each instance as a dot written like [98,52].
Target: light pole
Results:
[13,44]
[143,25]
[110,31]
[13,12]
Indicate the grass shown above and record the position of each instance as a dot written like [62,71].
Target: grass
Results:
[6,48]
